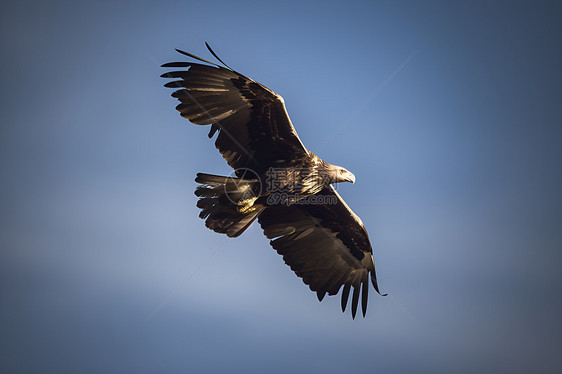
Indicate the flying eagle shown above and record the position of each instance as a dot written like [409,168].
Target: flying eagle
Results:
[276,180]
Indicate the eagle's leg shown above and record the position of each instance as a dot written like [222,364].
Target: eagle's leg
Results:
[247,205]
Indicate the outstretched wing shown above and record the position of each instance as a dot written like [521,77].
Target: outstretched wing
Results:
[325,244]
[254,128]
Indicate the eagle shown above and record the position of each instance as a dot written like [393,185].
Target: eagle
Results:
[276,180]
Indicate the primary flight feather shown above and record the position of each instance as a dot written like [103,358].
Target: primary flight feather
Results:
[277,181]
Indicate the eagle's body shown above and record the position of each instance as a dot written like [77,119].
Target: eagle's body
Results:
[277,181]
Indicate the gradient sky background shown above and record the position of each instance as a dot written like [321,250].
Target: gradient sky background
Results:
[458,165]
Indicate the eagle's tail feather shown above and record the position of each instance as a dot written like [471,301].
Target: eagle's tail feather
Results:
[227,203]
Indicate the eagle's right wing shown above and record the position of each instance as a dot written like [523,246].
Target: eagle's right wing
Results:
[325,244]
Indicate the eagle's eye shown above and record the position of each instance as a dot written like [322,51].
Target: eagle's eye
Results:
[341,171]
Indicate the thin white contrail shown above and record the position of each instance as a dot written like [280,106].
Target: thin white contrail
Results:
[183,283]
[369,98]
[400,306]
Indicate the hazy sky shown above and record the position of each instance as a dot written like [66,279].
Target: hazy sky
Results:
[448,113]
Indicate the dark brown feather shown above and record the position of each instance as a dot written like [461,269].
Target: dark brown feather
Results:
[214,95]
[325,245]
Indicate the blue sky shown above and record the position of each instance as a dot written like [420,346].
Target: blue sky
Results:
[457,159]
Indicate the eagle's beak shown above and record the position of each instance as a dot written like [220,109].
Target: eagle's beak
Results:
[351,178]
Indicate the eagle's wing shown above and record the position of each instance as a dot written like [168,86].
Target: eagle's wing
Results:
[325,244]
[254,128]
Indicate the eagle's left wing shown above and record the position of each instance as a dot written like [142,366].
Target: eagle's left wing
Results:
[325,244]
[255,131]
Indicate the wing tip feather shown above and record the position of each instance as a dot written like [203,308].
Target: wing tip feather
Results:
[355,300]
[345,296]
[364,293]
[376,284]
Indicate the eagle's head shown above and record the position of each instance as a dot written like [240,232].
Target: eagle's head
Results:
[339,174]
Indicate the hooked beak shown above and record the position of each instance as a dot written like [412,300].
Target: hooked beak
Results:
[351,178]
